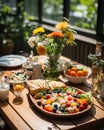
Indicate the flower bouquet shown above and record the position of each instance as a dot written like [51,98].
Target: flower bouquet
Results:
[52,45]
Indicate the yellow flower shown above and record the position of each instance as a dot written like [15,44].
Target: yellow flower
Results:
[70,37]
[62,25]
[38,30]
[41,50]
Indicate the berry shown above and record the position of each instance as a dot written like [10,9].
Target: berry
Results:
[75,99]
[69,98]
[81,108]
[85,104]
[79,92]
[48,96]
[67,104]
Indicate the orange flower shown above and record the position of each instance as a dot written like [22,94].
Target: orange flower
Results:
[62,25]
[41,50]
[55,34]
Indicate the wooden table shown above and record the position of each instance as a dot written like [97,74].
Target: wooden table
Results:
[27,117]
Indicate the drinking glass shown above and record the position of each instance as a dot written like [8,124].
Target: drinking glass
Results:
[18,88]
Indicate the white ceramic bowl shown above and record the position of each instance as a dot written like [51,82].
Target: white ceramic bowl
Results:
[78,80]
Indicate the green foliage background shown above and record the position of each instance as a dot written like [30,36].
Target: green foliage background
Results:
[89,13]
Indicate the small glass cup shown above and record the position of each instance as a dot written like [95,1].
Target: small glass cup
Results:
[4,87]
[65,65]
[37,71]
[4,93]
[28,69]
[18,88]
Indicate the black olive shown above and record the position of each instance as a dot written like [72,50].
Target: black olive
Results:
[54,110]
[39,103]
[55,106]
[62,109]
[59,91]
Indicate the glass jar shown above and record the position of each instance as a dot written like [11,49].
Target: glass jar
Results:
[102,90]
[97,80]
[37,70]
[53,67]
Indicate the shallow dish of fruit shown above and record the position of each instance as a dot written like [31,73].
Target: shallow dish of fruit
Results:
[77,74]
[61,101]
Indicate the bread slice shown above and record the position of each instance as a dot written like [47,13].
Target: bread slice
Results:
[39,84]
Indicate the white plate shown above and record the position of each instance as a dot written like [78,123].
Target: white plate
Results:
[12,60]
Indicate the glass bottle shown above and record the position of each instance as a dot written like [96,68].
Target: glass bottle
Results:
[98,50]
[102,90]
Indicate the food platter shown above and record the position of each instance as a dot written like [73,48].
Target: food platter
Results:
[12,60]
[69,107]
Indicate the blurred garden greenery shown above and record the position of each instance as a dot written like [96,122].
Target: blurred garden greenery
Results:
[83,13]
[14,22]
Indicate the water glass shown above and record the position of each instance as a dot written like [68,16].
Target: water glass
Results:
[18,88]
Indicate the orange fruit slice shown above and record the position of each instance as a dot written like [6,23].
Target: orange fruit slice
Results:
[18,87]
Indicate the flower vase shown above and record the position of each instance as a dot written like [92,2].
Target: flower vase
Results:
[97,88]
[53,67]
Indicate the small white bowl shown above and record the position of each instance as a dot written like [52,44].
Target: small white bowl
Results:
[76,80]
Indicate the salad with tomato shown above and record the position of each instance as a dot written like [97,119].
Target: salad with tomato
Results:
[63,100]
